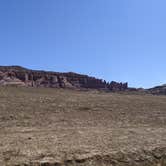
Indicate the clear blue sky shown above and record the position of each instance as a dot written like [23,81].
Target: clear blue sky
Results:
[121,40]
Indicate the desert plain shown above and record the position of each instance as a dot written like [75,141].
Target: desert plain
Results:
[60,127]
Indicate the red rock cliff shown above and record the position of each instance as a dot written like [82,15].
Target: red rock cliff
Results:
[16,75]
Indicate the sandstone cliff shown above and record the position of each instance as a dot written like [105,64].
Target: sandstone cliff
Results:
[16,75]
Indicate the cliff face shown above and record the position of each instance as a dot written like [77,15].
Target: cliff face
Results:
[16,75]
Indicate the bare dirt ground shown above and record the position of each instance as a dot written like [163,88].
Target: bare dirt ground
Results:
[65,127]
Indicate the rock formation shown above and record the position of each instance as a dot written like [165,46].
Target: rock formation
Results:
[16,75]
[115,86]
[158,90]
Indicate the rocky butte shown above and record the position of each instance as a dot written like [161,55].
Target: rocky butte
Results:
[17,75]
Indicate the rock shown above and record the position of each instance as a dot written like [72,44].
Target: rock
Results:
[16,75]
[158,90]
[115,86]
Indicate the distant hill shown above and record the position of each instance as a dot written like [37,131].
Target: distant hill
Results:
[158,90]
[20,76]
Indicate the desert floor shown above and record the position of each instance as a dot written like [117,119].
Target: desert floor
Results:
[42,126]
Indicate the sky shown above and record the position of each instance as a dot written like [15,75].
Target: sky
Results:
[120,40]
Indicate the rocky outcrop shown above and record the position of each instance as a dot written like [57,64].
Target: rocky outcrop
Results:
[158,90]
[115,86]
[16,75]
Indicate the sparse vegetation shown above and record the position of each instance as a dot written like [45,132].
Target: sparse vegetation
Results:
[43,124]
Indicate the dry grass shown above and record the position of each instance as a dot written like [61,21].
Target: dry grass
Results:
[53,124]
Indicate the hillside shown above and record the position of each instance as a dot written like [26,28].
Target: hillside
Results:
[20,76]
[158,90]
[60,127]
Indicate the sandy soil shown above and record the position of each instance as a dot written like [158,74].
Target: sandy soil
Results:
[65,127]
